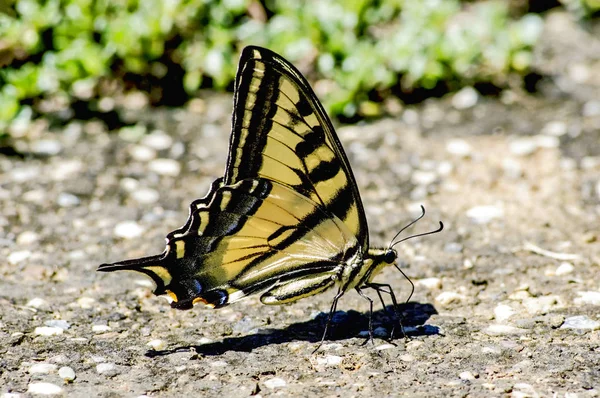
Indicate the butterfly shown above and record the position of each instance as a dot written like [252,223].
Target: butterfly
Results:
[286,220]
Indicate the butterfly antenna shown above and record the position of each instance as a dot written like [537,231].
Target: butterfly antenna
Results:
[407,226]
[417,235]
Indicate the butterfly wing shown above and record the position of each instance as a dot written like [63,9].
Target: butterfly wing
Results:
[282,133]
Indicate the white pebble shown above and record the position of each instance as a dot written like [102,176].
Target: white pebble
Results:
[485,214]
[501,330]
[591,298]
[165,167]
[502,312]
[420,177]
[542,304]
[100,328]
[27,238]
[446,298]
[467,376]
[219,364]
[42,368]
[67,200]
[128,230]
[157,344]
[512,168]
[430,283]
[564,269]
[36,303]
[86,302]
[58,323]
[145,195]
[591,108]
[458,147]
[465,98]
[546,141]
[17,257]
[555,128]
[104,368]
[142,153]
[275,382]
[46,147]
[66,373]
[407,358]
[48,331]
[523,146]
[385,346]
[158,140]
[44,389]
[580,322]
[329,360]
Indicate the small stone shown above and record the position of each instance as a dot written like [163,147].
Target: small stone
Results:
[158,140]
[591,298]
[37,303]
[128,230]
[46,147]
[219,364]
[19,256]
[86,302]
[503,330]
[67,374]
[67,200]
[275,382]
[329,360]
[27,238]
[58,323]
[541,305]
[421,177]
[413,344]
[453,247]
[465,98]
[446,298]
[145,195]
[512,168]
[591,108]
[467,376]
[580,322]
[485,214]
[165,167]
[459,148]
[48,331]
[106,369]
[142,153]
[157,344]
[430,283]
[407,358]
[502,312]
[546,141]
[385,346]
[42,368]
[44,389]
[555,128]
[523,146]
[101,328]
[564,269]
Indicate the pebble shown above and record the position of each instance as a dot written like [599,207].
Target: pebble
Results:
[467,376]
[106,369]
[459,147]
[157,344]
[385,346]
[502,312]
[564,269]
[66,170]
[66,373]
[420,177]
[465,98]
[219,364]
[523,146]
[485,214]
[446,298]
[413,344]
[591,298]
[44,389]
[58,323]
[430,283]
[275,382]
[591,108]
[453,247]
[36,302]
[165,167]
[512,168]
[158,140]
[502,330]
[46,147]
[67,200]
[329,360]
[145,195]
[48,331]
[546,141]
[128,230]
[142,153]
[580,322]
[541,305]
[101,328]
[27,238]
[19,256]
[42,368]
[555,128]
[86,302]
[24,174]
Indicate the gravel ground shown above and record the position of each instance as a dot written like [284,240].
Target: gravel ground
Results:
[507,299]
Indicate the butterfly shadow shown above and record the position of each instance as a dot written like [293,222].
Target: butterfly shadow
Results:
[345,325]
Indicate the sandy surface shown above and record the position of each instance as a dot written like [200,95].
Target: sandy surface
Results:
[507,299]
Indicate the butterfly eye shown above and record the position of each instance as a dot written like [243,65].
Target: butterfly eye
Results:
[390,256]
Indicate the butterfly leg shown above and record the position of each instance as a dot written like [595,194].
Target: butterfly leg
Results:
[329,318]
[360,292]
[380,288]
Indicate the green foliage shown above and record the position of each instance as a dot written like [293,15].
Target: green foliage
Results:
[355,48]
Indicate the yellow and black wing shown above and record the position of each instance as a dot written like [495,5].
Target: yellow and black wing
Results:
[286,217]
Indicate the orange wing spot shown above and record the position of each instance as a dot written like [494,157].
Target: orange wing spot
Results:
[172,295]
[202,301]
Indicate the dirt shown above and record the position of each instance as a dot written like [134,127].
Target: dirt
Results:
[507,297]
